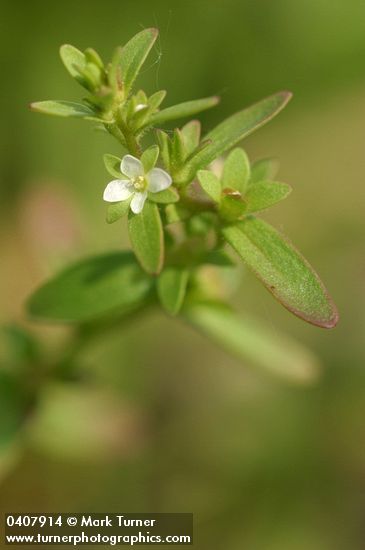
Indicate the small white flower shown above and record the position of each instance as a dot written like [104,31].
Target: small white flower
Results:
[137,184]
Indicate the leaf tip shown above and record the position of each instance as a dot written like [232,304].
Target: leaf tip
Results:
[334,319]
[287,95]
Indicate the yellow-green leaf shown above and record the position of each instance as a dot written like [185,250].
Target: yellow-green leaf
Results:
[210,184]
[236,170]
[112,164]
[264,194]
[74,61]
[62,108]
[164,197]
[254,342]
[134,54]
[182,110]
[117,210]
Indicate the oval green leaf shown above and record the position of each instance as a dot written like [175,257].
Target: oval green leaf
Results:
[191,135]
[236,171]
[254,342]
[95,287]
[210,184]
[134,54]
[283,270]
[265,194]
[164,197]
[146,235]
[117,210]
[112,164]
[171,288]
[182,110]
[149,157]
[74,61]
[62,108]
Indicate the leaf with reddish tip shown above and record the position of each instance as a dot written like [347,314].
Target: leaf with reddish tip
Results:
[232,130]
[283,270]
[62,108]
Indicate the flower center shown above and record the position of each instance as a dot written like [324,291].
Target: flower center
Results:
[139,183]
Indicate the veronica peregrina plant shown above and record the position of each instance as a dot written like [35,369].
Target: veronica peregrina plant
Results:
[182,216]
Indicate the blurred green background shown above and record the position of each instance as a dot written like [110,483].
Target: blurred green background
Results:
[165,421]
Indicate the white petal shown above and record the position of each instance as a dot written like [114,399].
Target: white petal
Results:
[138,202]
[118,190]
[131,167]
[158,180]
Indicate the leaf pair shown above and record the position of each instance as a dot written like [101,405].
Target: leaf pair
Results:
[237,193]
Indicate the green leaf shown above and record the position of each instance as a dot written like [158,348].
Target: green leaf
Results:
[191,135]
[115,70]
[21,346]
[255,343]
[149,158]
[117,210]
[146,235]
[164,142]
[62,108]
[264,194]
[74,61]
[92,288]
[264,170]
[177,150]
[232,205]
[93,57]
[284,272]
[13,407]
[134,54]
[112,164]
[234,129]
[171,288]
[236,171]
[182,110]
[155,100]
[211,184]
[164,197]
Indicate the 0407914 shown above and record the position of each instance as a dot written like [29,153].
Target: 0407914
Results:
[32,521]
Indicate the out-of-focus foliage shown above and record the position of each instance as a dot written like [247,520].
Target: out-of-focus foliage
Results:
[262,465]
